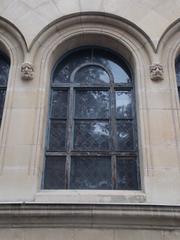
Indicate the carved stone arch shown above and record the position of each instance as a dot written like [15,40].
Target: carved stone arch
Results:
[89,19]
[13,44]
[99,30]
[168,49]
[12,41]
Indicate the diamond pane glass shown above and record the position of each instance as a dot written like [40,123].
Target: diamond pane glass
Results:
[123,104]
[92,104]
[4,71]
[59,104]
[125,135]
[2,99]
[91,173]
[91,124]
[177,67]
[117,68]
[91,135]
[91,75]
[64,69]
[127,174]
[54,175]
[57,135]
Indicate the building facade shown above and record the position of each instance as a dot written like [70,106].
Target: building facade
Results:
[90,124]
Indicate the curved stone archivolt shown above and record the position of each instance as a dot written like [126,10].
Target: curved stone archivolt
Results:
[84,23]
[11,39]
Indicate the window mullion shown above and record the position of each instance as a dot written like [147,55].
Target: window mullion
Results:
[70,135]
[113,132]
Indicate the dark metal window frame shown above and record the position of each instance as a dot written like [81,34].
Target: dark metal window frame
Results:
[177,62]
[3,86]
[112,87]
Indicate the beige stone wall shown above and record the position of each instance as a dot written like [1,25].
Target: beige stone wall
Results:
[144,32]
[30,17]
[89,234]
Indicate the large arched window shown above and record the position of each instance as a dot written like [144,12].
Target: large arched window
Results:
[92,137]
[177,67]
[4,72]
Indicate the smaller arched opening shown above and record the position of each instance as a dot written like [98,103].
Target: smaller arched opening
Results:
[4,74]
[177,69]
[12,52]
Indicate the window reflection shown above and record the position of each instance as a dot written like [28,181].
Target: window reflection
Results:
[123,104]
[91,135]
[91,75]
[119,72]
[88,104]
[66,67]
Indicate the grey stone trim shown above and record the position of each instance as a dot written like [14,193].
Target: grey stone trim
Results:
[124,216]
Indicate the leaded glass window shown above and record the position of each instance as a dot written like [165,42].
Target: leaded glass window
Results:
[4,72]
[92,133]
[177,67]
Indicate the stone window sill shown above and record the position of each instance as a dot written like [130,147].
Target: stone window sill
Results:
[90,196]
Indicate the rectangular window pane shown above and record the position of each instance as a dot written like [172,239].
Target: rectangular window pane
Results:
[127,174]
[54,175]
[92,104]
[125,138]
[59,104]
[91,173]
[57,135]
[91,135]
[123,104]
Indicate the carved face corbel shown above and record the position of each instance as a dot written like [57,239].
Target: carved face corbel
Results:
[27,71]
[156,72]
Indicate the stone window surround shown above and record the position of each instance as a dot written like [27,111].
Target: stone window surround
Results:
[98,31]
[13,45]
[48,47]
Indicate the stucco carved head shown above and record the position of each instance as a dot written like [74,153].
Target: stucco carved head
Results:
[156,72]
[27,71]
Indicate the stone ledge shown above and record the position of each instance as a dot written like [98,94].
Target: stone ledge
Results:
[90,197]
[124,216]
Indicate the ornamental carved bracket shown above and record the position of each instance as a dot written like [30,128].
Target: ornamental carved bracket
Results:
[27,71]
[156,72]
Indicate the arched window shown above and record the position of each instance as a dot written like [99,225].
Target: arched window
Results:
[92,137]
[4,72]
[177,67]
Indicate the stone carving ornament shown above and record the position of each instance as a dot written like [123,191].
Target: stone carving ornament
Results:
[156,72]
[27,71]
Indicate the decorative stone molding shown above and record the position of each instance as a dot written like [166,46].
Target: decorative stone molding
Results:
[29,215]
[27,71]
[156,72]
